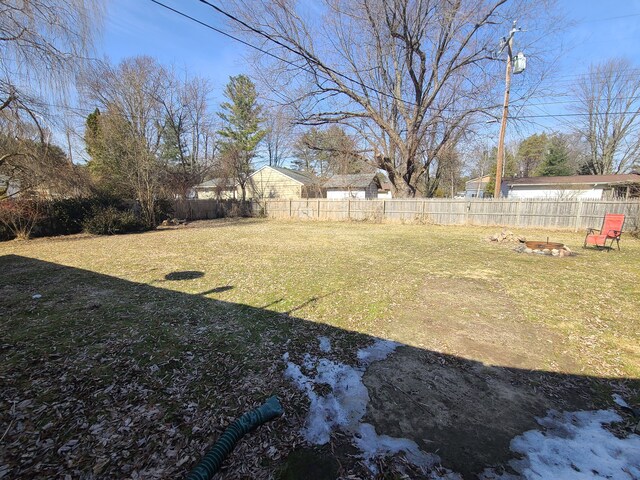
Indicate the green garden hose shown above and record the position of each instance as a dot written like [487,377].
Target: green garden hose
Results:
[213,459]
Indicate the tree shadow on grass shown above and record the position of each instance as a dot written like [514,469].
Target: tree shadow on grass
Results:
[105,377]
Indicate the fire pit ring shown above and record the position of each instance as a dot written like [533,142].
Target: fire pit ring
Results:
[536,245]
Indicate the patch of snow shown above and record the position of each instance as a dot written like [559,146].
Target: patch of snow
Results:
[373,445]
[620,401]
[574,445]
[377,351]
[325,344]
[344,404]
[36,296]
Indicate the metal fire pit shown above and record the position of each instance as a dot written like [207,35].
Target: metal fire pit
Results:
[536,245]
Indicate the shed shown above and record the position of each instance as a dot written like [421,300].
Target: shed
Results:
[585,187]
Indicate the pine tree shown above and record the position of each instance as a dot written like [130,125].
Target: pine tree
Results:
[241,131]
[556,160]
[510,169]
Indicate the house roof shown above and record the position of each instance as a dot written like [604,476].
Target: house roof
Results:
[217,183]
[481,180]
[293,174]
[356,180]
[576,180]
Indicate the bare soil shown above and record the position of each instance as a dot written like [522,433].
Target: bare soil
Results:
[473,389]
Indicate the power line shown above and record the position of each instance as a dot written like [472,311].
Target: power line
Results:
[547,115]
[277,57]
[619,17]
[564,102]
[300,54]
[226,34]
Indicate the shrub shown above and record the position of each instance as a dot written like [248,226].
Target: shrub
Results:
[111,221]
[20,216]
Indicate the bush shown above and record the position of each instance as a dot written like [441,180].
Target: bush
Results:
[19,217]
[111,221]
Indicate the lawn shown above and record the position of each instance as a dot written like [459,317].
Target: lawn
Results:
[143,347]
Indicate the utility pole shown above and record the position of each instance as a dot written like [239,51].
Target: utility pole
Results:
[508,44]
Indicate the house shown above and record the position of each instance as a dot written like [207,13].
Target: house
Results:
[359,185]
[385,189]
[217,188]
[586,187]
[281,183]
[476,187]
[8,186]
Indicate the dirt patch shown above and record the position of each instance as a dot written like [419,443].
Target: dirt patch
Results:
[464,411]
[478,379]
[475,319]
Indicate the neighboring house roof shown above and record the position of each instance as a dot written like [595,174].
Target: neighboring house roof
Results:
[483,179]
[217,183]
[592,180]
[478,183]
[296,175]
[356,180]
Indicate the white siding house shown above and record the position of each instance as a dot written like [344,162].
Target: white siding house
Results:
[475,187]
[363,186]
[583,187]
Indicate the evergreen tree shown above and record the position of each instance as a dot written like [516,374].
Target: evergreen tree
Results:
[556,160]
[531,152]
[510,170]
[241,132]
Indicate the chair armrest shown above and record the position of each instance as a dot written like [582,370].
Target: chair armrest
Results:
[591,230]
[616,233]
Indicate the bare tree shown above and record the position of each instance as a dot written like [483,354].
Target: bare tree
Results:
[43,44]
[279,134]
[609,118]
[189,137]
[408,75]
[126,140]
[327,152]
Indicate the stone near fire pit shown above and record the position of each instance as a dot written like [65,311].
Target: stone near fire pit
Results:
[558,250]
[506,236]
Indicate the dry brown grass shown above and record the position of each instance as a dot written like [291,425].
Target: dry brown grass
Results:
[215,338]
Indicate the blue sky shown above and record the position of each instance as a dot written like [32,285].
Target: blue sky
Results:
[140,27]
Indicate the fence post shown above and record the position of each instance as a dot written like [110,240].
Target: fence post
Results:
[424,202]
[290,208]
[466,212]
[384,209]
[318,208]
[348,209]
[578,215]
[518,212]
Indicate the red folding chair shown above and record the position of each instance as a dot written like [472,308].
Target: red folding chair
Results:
[611,230]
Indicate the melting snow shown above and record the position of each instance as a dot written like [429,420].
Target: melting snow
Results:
[373,445]
[620,401]
[345,403]
[377,351]
[575,445]
[325,344]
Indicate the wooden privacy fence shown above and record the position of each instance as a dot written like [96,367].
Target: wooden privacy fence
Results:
[207,209]
[543,213]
